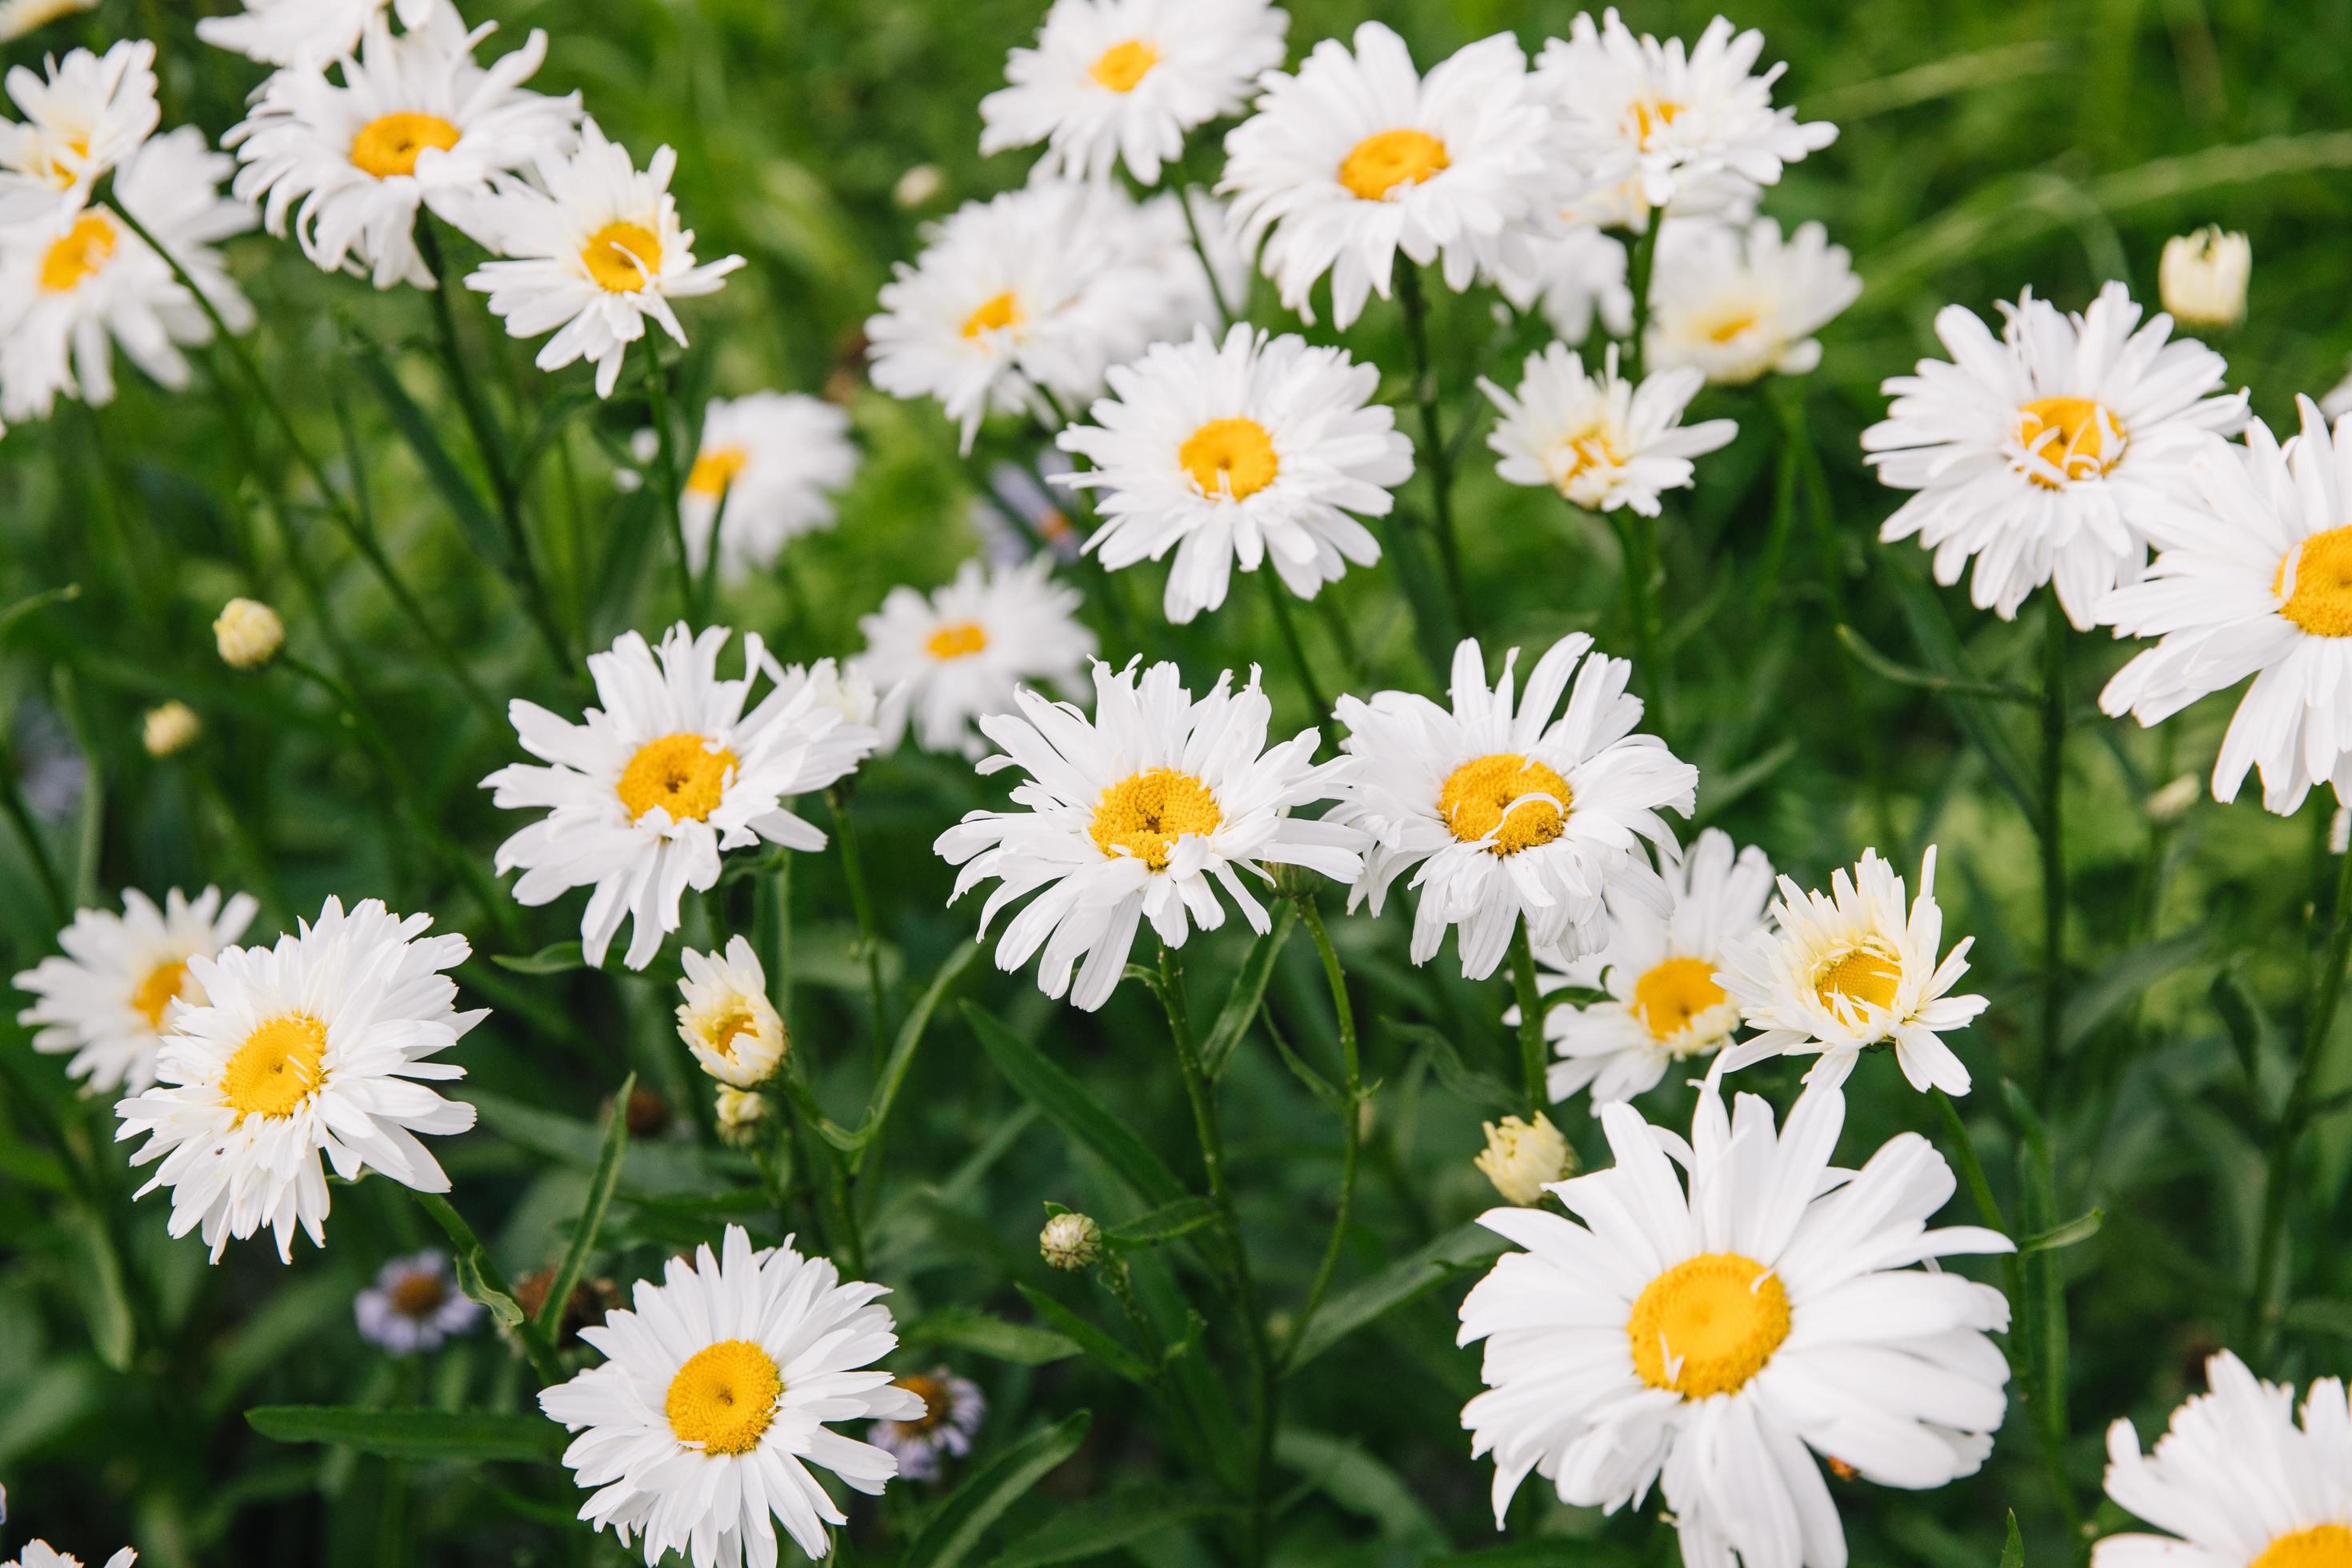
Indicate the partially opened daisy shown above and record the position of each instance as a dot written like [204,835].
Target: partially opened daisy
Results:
[2236,1480]
[83,117]
[1720,1334]
[321,1045]
[645,792]
[2041,454]
[1140,812]
[1113,80]
[1503,812]
[2255,578]
[1256,451]
[305,34]
[1359,157]
[1599,440]
[725,1015]
[108,996]
[766,473]
[717,1394]
[1739,303]
[949,657]
[1839,973]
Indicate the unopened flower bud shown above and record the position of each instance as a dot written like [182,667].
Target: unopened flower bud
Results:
[169,727]
[248,633]
[1070,1242]
[1519,1158]
[741,1111]
[2170,803]
[919,186]
[2202,277]
[2340,832]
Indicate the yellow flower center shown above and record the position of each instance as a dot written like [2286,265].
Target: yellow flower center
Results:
[683,774]
[1594,446]
[62,176]
[1382,162]
[1146,814]
[622,256]
[1729,323]
[2070,434]
[277,1067]
[419,1295]
[1650,116]
[956,639]
[1709,1324]
[716,469]
[1230,457]
[76,255]
[724,1396]
[154,995]
[391,147]
[935,1403]
[735,1023]
[1121,66]
[996,315]
[1517,800]
[1867,976]
[2321,1546]
[2322,601]
[1669,996]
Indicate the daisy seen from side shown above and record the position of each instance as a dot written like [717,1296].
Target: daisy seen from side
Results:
[83,115]
[948,658]
[1741,303]
[1601,441]
[766,472]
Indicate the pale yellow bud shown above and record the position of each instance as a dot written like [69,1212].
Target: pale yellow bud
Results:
[1070,1242]
[725,1017]
[919,186]
[2170,803]
[741,1111]
[1519,1158]
[169,727]
[250,634]
[2202,277]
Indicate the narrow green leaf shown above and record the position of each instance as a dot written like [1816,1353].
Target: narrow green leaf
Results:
[471,1280]
[983,1333]
[1249,990]
[2012,1552]
[556,958]
[1931,629]
[105,1302]
[2043,1307]
[1885,669]
[33,603]
[648,1170]
[1726,788]
[463,1435]
[1348,1475]
[911,1031]
[1164,1223]
[458,492]
[1093,1340]
[2247,1027]
[286,1322]
[592,1212]
[2081,1227]
[2320,1316]
[1103,1525]
[1407,1279]
[2125,980]
[1327,1093]
[1483,1090]
[1068,1105]
[965,1517]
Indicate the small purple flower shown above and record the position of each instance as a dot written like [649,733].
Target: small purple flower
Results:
[953,1408]
[414,1305]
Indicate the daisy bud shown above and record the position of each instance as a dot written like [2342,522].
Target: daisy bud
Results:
[2339,834]
[2202,277]
[741,1111]
[250,634]
[1070,1242]
[726,1018]
[1519,1158]
[919,186]
[2170,803]
[169,727]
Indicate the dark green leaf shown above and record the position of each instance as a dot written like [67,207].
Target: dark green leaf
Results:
[1249,990]
[1482,1091]
[902,1052]
[1327,1093]
[2081,1227]
[1164,1223]
[2012,1552]
[1878,664]
[648,1170]
[985,1335]
[556,958]
[1407,1279]
[1102,1525]
[106,1304]
[965,1517]
[468,1435]
[1931,627]
[2125,980]
[2243,1017]
[1066,1103]
[458,492]
[470,1280]
[1348,1475]
[1093,1340]
[592,1211]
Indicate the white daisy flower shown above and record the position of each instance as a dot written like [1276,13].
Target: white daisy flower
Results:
[415,1305]
[2339,401]
[308,35]
[1711,1337]
[1132,814]
[1838,973]
[1664,1004]
[953,1408]
[2254,578]
[766,473]
[647,791]
[957,655]
[76,285]
[1125,79]
[717,1394]
[19,17]
[82,118]
[413,124]
[1740,304]
[1661,117]
[1257,450]
[320,1045]
[2236,1480]
[726,1018]
[41,1555]
[2041,454]
[1503,812]
[1359,157]
[1599,440]
[1626,206]
[107,998]
[1573,276]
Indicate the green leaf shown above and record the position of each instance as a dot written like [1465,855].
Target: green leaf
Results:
[955,1529]
[2013,1551]
[556,958]
[1483,1090]
[902,1051]
[461,1434]
[283,1325]
[1931,627]
[1878,664]
[1102,1525]
[648,1170]
[592,1212]
[465,501]
[105,1302]
[2243,1018]
[1164,1223]
[1066,1103]
[471,1280]
[983,1333]
[32,603]
[2123,983]
[1327,1093]
[1725,789]
[1407,1279]
[2043,1304]
[1093,1340]
[1249,990]
[2320,1316]
[1348,1475]
[1558,1551]
[2081,1227]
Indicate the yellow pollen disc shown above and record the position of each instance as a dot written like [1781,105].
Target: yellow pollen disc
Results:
[681,774]
[1650,116]
[2070,434]
[956,639]
[1867,975]
[61,176]
[622,256]
[1668,997]
[277,1067]
[1388,159]
[1124,65]
[76,255]
[1731,325]
[420,1295]
[155,994]
[724,1398]
[997,314]
[1232,456]
[1709,1324]
[1592,447]
[391,147]
[2321,1546]
[1492,795]
[721,1032]
[1144,816]
[2322,601]
[715,469]
[935,1402]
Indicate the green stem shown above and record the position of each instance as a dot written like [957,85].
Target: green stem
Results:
[1351,1126]
[1279,598]
[1637,544]
[666,476]
[461,1237]
[1640,261]
[1531,1020]
[2053,839]
[861,899]
[1436,456]
[29,834]
[1200,250]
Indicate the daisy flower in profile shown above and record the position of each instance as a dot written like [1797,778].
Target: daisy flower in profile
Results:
[1503,812]
[1658,967]
[717,1394]
[953,1408]
[107,998]
[1359,157]
[1125,79]
[1573,277]
[1662,116]
[1256,451]
[1838,973]
[1133,814]
[726,1018]
[1599,440]
[322,1045]
[2042,453]
[645,792]
[2254,579]
[19,17]
[2236,1480]
[76,286]
[41,1555]
[1738,304]
[308,35]
[82,118]
[1709,1336]
[949,657]
[415,1305]
[766,473]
